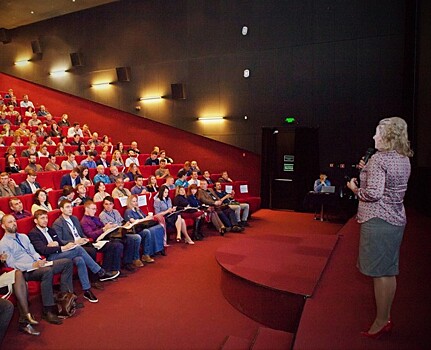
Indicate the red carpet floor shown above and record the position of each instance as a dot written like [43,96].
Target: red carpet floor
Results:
[175,303]
[343,304]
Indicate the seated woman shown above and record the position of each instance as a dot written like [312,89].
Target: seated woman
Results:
[30,112]
[163,206]
[120,147]
[11,150]
[69,193]
[60,150]
[55,130]
[81,151]
[17,141]
[32,139]
[2,143]
[152,184]
[133,171]
[152,237]
[211,214]
[41,132]
[19,287]
[18,120]
[11,166]
[181,202]
[83,175]
[7,131]
[47,140]
[100,192]
[117,160]
[43,151]
[40,201]
[105,141]
[63,140]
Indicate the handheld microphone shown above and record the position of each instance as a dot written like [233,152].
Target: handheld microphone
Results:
[368,154]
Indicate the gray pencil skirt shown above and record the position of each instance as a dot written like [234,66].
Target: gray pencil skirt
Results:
[379,248]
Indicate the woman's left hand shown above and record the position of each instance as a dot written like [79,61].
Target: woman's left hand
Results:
[353,185]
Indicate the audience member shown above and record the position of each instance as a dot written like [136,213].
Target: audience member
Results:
[81,193]
[8,186]
[22,130]
[89,161]
[17,209]
[29,185]
[186,168]
[11,165]
[101,176]
[163,206]
[103,160]
[207,177]
[194,167]
[100,192]
[224,177]
[71,179]
[25,102]
[228,199]
[162,155]
[68,193]
[70,163]
[133,158]
[64,120]
[139,187]
[60,151]
[73,130]
[52,165]
[115,174]
[84,176]
[152,184]
[86,131]
[55,131]
[194,179]
[152,159]
[163,171]
[117,160]
[119,190]
[133,171]
[22,256]
[31,150]
[40,201]
[34,121]
[182,180]
[321,182]
[43,112]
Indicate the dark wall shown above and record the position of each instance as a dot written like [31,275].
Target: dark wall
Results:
[336,65]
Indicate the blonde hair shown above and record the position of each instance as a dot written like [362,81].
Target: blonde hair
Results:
[394,136]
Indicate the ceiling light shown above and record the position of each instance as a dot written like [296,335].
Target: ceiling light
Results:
[100,85]
[210,118]
[22,62]
[150,98]
[58,73]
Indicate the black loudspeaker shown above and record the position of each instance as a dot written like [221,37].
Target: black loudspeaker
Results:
[35,46]
[76,59]
[124,73]
[4,36]
[178,91]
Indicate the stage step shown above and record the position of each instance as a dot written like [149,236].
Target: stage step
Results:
[272,339]
[236,343]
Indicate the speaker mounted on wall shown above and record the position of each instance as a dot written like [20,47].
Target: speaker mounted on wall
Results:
[124,73]
[35,46]
[76,59]
[178,91]
[5,36]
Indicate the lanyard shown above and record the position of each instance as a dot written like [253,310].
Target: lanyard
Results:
[16,239]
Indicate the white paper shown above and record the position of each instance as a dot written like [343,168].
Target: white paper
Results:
[123,201]
[99,245]
[228,188]
[243,188]
[142,201]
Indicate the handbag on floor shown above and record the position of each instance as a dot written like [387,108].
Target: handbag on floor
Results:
[66,304]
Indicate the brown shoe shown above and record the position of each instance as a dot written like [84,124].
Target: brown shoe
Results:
[137,263]
[147,259]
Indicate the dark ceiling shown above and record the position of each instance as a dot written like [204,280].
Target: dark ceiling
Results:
[17,13]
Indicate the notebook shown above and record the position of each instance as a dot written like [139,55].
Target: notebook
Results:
[328,189]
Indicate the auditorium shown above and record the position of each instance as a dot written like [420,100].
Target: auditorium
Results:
[226,174]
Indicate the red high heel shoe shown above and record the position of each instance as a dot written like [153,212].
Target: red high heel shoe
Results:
[387,328]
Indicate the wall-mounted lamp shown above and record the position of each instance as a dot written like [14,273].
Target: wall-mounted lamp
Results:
[210,118]
[22,62]
[151,98]
[246,73]
[58,73]
[244,30]
[100,85]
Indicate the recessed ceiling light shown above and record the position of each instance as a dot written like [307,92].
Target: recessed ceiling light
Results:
[32,12]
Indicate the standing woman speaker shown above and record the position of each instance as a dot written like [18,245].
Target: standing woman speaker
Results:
[382,216]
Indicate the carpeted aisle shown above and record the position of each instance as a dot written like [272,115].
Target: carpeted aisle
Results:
[175,303]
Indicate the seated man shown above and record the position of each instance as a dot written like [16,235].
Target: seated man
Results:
[64,121]
[29,185]
[186,168]
[17,209]
[22,256]
[228,199]
[93,228]
[30,150]
[194,167]
[169,183]
[207,177]
[94,139]
[225,177]
[152,159]
[101,176]
[133,158]
[8,186]
[68,229]
[134,147]
[103,160]
[76,141]
[194,179]
[120,190]
[162,172]
[89,161]
[52,165]
[75,129]
[139,187]
[70,163]
[43,112]
[46,242]
[115,174]
[182,180]
[81,193]
[207,196]
[71,179]
[32,164]
[109,215]
[321,182]
[22,130]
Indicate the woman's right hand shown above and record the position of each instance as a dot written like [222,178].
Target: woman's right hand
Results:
[361,164]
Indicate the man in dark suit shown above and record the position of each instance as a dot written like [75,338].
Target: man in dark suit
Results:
[103,160]
[46,242]
[29,185]
[68,229]
[71,179]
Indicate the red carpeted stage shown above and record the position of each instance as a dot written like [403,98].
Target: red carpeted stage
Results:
[278,270]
